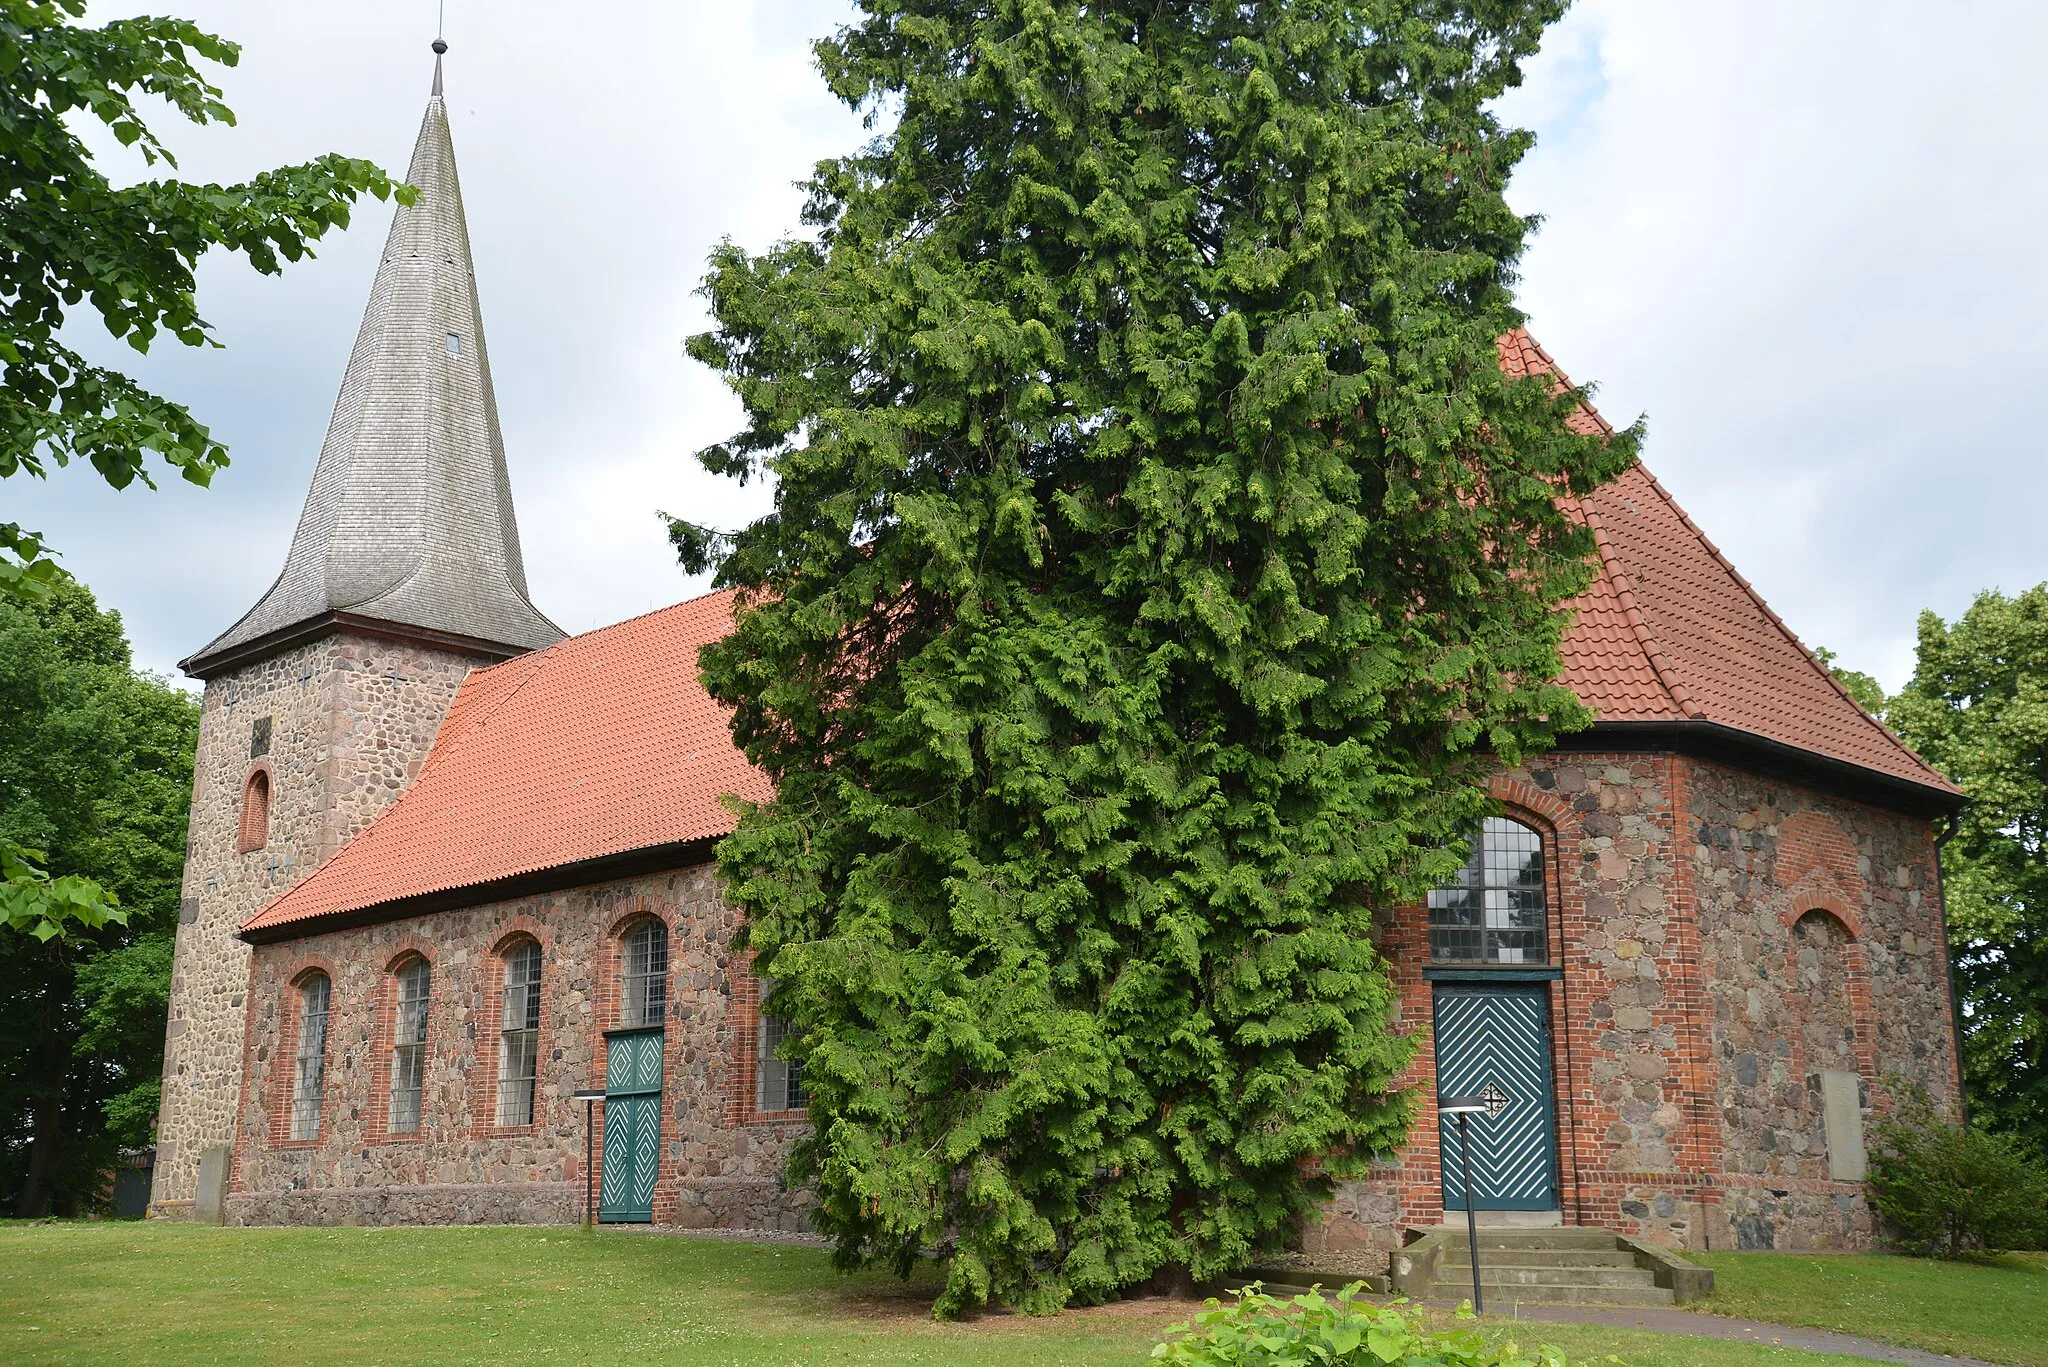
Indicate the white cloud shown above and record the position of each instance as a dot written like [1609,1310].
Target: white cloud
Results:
[1803,238]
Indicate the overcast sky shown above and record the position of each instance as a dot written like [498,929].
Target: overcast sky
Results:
[1804,238]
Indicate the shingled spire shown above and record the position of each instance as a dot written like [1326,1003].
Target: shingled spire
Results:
[409,523]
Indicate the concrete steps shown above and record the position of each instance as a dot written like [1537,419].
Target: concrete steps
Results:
[1546,1267]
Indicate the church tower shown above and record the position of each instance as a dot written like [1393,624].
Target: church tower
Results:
[321,702]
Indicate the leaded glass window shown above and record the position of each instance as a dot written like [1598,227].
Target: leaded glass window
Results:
[646,975]
[780,1085]
[409,1046]
[1496,911]
[519,1036]
[309,1072]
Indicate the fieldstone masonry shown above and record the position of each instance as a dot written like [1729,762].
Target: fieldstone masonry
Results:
[721,1161]
[339,726]
[1727,941]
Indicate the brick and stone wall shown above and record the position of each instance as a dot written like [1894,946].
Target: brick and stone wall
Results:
[342,724]
[1725,939]
[720,1161]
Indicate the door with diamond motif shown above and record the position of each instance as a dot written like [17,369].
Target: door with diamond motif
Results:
[632,1126]
[1493,1042]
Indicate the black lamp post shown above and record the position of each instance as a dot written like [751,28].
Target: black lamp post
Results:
[1465,1107]
[589,1099]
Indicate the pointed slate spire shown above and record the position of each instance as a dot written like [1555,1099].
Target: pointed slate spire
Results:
[409,522]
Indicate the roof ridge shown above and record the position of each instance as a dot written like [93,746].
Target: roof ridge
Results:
[1770,614]
[1527,339]
[1624,594]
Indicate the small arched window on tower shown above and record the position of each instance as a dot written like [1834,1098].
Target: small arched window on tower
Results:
[453,341]
[519,1035]
[1497,910]
[254,833]
[309,1063]
[644,973]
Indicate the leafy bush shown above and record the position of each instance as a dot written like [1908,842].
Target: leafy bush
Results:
[1949,1189]
[1318,1331]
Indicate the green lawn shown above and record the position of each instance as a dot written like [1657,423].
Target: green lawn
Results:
[1995,1309]
[172,1294]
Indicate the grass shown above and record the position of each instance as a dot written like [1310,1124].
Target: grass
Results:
[1990,1308]
[182,1294]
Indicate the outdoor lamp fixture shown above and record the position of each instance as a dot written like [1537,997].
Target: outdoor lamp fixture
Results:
[1465,1107]
[589,1099]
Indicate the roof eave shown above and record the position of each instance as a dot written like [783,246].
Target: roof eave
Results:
[209,663]
[604,868]
[1715,741]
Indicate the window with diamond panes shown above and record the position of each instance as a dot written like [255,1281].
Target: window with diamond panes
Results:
[309,1070]
[1497,911]
[781,1085]
[645,964]
[409,1046]
[519,1036]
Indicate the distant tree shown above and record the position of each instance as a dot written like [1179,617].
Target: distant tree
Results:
[95,770]
[1160,562]
[1977,707]
[1868,692]
[68,235]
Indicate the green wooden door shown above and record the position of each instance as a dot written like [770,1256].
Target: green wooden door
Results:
[632,1126]
[1494,1043]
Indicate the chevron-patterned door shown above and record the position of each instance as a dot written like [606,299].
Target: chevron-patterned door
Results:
[632,1126]
[1494,1042]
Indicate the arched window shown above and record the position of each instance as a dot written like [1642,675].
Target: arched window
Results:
[309,1072]
[519,1035]
[1496,912]
[409,1045]
[643,966]
[779,1086]
[255,829]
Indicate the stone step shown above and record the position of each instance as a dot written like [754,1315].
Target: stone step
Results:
[1529,1238]
[1547,1276]
[1540,1257]
[1559,1293]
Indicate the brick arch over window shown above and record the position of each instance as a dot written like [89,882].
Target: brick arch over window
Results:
[387,1039]
[513,1035]
[253,833]
[1828,964]
[304,1052]
[1534,806]
[636,984]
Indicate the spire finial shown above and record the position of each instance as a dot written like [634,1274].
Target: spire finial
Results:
[440,43]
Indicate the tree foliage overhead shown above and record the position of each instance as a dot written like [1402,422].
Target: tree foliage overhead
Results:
[1977,707]
[1158,550]
[69,236]
[96,770]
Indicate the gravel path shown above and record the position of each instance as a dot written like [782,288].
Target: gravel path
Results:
[1744,1331]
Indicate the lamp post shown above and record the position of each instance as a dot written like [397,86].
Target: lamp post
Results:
[1465,1107]
[589,1098]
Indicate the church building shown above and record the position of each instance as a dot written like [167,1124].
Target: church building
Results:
[448,869]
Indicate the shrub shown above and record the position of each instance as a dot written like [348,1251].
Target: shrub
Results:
[1948,1189]
[1319,1331]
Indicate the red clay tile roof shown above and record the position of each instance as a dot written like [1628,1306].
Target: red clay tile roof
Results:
[1670,631]
[607,743]
[597,745]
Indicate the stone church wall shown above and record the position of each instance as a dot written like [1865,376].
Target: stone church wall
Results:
[720,1160]
[350,720]
[1726,940]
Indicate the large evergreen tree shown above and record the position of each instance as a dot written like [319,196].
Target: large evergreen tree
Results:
[1977,707]
[96,770]
[1159,554]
